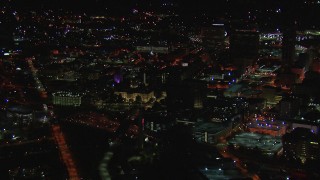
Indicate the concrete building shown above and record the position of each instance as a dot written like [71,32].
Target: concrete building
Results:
[20,115]
[208,132]
[266,144]
[132,95]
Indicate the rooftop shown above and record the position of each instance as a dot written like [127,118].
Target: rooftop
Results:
[209,127]
[266,143]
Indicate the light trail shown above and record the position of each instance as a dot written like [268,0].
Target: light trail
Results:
[65,152]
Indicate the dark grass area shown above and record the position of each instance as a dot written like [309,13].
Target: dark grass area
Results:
[87,146]
[42,154]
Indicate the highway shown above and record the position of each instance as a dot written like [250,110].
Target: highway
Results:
[65,152]
[57,134]
[223,150]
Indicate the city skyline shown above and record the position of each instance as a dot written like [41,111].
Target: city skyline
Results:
[164,89]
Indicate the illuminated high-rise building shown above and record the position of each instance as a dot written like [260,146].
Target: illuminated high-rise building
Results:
[198,99]
[301,145]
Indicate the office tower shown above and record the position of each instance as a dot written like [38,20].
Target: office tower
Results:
[288,46]
[301,145]
[213,37]
[244,46]
[289,107]
[186,95]
[289,11]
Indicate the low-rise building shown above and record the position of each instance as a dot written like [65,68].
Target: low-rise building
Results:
[134,94]
[64,98]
